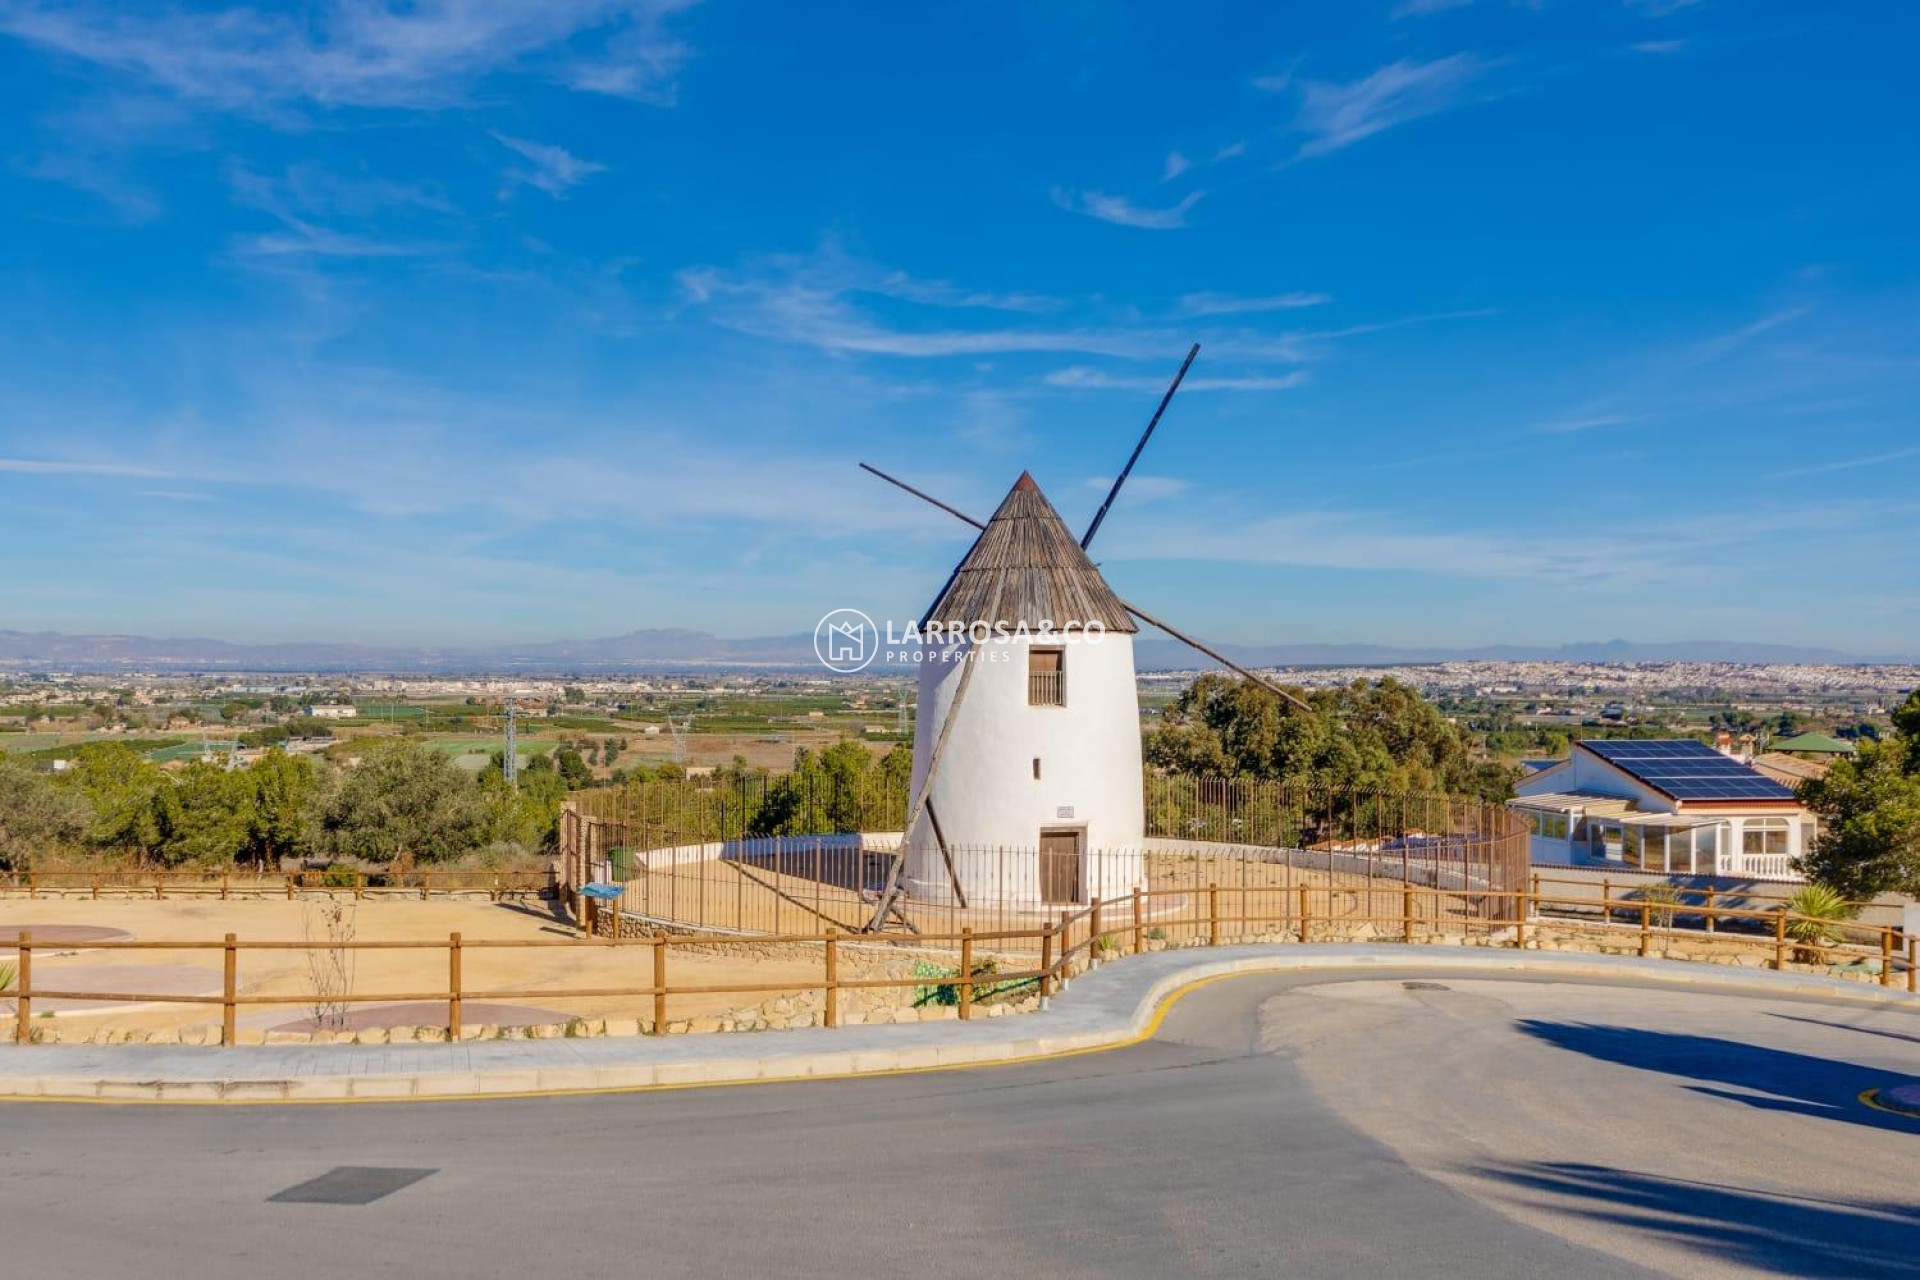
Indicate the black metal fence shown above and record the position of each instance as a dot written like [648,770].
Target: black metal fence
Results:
[699,853]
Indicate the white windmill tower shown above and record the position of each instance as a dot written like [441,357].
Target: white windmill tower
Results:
[1029,732]
[1046,755]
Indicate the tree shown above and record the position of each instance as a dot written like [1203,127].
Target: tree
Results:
[1869,806]
[36,816]
[1378,735]
[573,695]
[204,815]
[405,802]
[1906,722]
[573,767]
[119,785]
[288,792]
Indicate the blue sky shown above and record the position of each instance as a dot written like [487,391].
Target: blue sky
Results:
[465,322]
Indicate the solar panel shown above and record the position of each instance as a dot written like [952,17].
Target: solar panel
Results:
[1687,770]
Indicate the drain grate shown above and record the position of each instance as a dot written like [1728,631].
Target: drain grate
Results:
[1426,986]
[350,1184]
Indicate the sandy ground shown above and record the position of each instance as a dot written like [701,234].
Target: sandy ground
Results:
[502,975]
[733,895]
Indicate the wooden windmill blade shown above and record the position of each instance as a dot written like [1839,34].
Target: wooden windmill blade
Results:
[1100,516]
[924,800]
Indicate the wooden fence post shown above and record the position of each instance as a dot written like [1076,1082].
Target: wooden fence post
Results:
[1886,956]
[290,879]
[660,984]
[23,990]
[1606,899]
[426,885]
[1520,919]
[1780,940]
[1913,970]
[1139,937]
[1646,927]
[453,986]
[33,885]
[966,969]
[230,969]
[359,885]
[1213,915]
[96,886]
[1406,914]
[226,883]
[1711,917]
[159,887]
[1093,930]
[1303,913]
[832,952]
[1046,960]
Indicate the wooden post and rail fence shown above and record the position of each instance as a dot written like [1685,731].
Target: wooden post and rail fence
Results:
[1063,946]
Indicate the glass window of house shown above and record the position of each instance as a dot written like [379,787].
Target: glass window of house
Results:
[1761,836]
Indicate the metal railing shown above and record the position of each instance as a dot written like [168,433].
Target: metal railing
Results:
[1065,946]
[1046,688]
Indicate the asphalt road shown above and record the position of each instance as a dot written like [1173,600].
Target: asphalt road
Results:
[1298,1125]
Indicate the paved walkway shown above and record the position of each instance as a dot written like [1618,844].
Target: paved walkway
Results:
[1114,1005]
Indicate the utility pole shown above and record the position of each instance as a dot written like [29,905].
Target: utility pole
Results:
[510,762]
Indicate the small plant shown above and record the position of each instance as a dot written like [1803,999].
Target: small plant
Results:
[7,974]
[1157,934]
[329,930]
[1106,945]
[1663,900]
[1814,913]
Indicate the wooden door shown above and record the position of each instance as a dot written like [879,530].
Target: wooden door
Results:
[1060,865]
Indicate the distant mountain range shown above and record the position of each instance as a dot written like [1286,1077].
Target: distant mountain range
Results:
[668,648]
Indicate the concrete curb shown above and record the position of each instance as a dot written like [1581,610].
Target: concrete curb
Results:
[1115,1005]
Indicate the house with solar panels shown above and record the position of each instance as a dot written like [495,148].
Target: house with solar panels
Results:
[1668,805]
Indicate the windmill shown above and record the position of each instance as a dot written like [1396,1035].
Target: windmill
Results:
[1047,756]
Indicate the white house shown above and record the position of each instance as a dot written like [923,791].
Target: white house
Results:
[1670,805]
[1041,767]
[332,710]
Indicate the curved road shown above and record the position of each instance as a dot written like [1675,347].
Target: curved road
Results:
[1313,1124]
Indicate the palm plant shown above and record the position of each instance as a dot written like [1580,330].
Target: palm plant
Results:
[1814,913]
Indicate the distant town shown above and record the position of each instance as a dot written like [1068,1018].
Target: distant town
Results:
[1510,710]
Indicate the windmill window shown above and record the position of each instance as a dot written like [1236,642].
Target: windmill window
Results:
[1046,678]
[1036,768]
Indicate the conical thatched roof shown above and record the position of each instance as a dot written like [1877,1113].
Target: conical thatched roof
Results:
[1027,562]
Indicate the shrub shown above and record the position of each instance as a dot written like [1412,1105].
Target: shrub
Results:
[1814,913]
[1662,900]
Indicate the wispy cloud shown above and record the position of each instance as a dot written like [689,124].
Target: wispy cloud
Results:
[1141,488]
[1080,376]
[1423,8]
[1658,46]
[816,301]
[1123,212]
[1844,464]
[308,203]
[1225,304]
[363,53]
[1230,151]
[1176,165]
[174,495]
[61,467]
[551,169]
[1335,115]
[1584,422]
